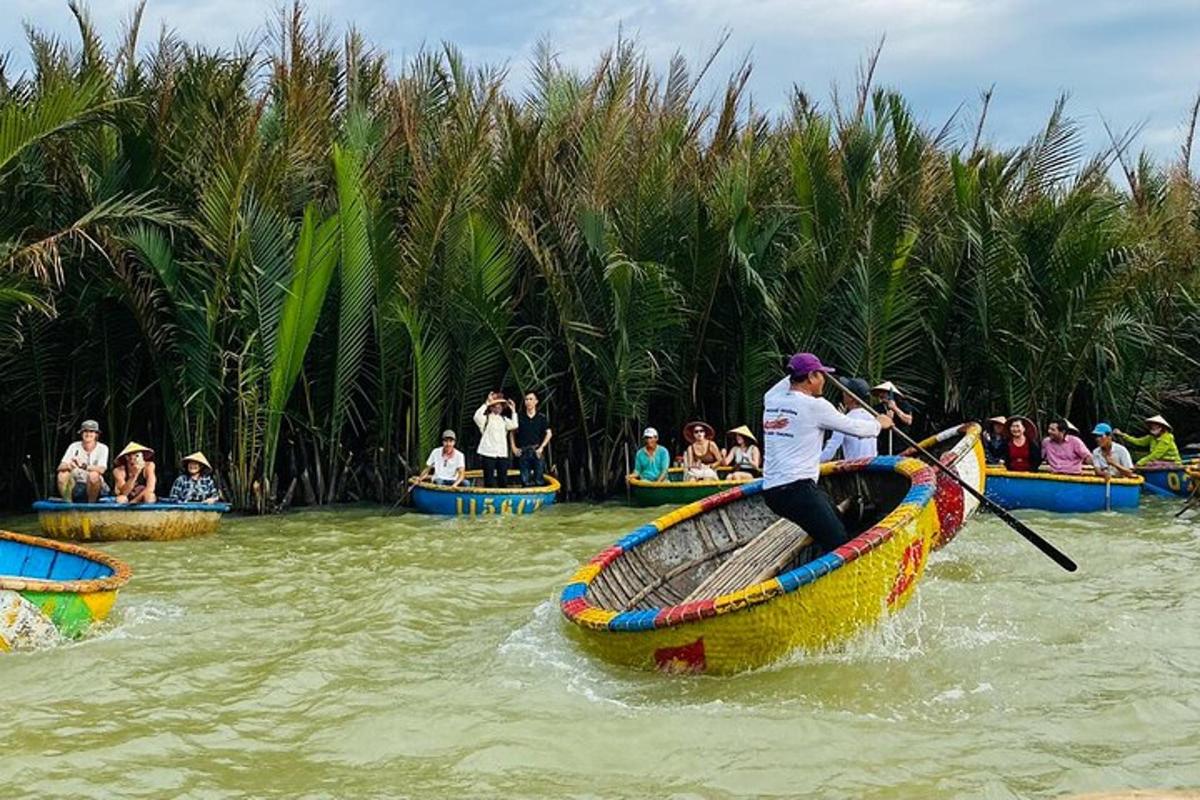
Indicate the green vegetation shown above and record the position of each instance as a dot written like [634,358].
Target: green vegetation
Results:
[308,266]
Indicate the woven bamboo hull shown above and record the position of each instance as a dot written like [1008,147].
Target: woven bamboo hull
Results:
[961,450]
[1176,480]
[1063,494]
[809,606]
[675,491]
[51,591]
[110,522]
[475,501]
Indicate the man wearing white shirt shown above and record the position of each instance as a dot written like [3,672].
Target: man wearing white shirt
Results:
[795,419]
[81,471]
[447,464]
[853,446]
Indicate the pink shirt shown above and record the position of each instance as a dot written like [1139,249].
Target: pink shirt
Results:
[1067,456]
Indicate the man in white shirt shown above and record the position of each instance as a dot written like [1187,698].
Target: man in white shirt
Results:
[1111,457]
[853,446]
[795,419]
[81,471]
[446,463]
[495,418]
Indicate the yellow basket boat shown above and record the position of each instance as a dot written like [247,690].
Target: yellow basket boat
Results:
[110,522]
[648,601]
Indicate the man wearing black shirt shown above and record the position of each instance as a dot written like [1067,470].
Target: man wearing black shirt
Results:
[529,441]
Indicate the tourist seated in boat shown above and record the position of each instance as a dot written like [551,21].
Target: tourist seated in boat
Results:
[81,470]
[743,456]
[995,440]
[1110,458]
[1160,440]
[196,484]
[134,478]
[652,462]
[495,418]
[1062,452]
[795,419]
[887,399]
[702,455]
[1022,452]
[852,446]
[529,442]
[446,464]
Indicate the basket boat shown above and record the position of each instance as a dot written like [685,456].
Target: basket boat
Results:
[675,491]
[110,522]
[50,591]
[1173,478]
[476,501]
[655,599]
[1064,494]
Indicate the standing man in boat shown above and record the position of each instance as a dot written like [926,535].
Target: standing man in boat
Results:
[1063,452]
[81,471]
[529,442]
[795,419]
[495,418]
[1110,457]
[853,446]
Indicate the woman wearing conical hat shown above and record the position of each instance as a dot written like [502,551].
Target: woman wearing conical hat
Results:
[134,476]
[196,484]
[1160,440]
[743,456]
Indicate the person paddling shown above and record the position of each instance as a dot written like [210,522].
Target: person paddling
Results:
[795,419]
[1160,440]
[1109,457]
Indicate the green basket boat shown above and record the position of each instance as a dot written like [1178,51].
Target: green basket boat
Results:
[675,491]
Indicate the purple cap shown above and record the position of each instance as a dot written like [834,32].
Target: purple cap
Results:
[804,363]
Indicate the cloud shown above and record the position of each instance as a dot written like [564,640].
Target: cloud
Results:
[1133,64]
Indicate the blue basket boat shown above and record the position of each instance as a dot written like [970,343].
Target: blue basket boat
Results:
[1064,494]
[110,522]
[1171,478]
[476,501]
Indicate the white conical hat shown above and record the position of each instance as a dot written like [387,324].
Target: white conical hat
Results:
[1157,419]
[888,386]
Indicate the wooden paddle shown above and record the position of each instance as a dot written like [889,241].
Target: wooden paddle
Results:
[1058,556]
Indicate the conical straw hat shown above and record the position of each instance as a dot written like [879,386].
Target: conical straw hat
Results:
[744,431]
[199,458]
[888,386]
[1157,419]
[134,447]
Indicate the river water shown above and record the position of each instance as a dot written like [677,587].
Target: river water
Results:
[356,654]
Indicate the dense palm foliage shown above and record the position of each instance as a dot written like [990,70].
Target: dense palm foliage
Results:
[308,265]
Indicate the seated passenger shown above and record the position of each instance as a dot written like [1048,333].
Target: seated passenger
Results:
[1110,458]
[852,446]
[652,463]
[1022,453]
[133,475]
[196,484]
[702,455]
[1160,440]
[995,440]
[446,463]
[1063,452]
[744,456]
[81,470]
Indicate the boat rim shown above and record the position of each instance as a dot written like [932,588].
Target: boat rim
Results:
[993,472]
[552,487]
[575,606]
[1182,466]
[720,482]
[122,572]
[63,505]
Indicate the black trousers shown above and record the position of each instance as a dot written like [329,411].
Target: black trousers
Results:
[495,472]
[807,505]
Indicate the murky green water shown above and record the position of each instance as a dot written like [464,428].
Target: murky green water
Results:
[353,654]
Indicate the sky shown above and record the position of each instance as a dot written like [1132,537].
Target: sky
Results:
[1130,64]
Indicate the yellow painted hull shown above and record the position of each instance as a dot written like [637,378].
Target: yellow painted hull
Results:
[82,522]
[816,606]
